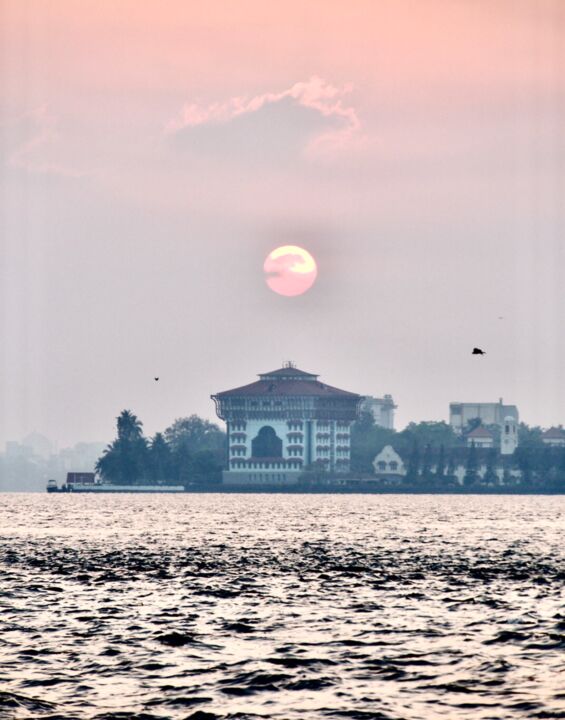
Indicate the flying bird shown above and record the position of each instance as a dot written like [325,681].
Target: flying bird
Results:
[156,379]
[478,351]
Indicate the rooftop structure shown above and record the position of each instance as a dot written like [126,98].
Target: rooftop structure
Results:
[284,422]
[382,410]
[554,437]
[488,413]
[480,437]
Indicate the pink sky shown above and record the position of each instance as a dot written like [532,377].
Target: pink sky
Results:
[153,153]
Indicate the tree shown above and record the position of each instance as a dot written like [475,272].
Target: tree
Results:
[367,440]
[471,468]
[472,424]
[124,462]
[490,477]
[440,467]
[196,434]
[546,465]
[530,437]
[205,468]
[451,466]
[413,470]
[428,433]
[427,463]
[187,438]
[129,426]
[524,462]
[160,460]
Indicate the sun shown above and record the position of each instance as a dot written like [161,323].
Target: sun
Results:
[290,270]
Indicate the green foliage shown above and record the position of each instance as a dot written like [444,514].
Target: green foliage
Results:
[426,474]
[205,468]
[196,435]
[160,461]
[191,450]
[471,475]
[440,467]
[428,433]
[413,469]
[490,476]
[367,440]
[530,437]
[124,462]
[198,449]
[472,424]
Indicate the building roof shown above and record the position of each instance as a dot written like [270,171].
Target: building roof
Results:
[288,381]
[554,433]
[288,373]
[480,432]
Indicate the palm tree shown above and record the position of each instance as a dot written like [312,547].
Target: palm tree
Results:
[124,460]
[129,426]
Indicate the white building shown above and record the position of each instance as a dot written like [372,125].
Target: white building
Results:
[488,413]
[286,421]
[509,436]
[389,464]
[554,437]
[480,437]
[382,409]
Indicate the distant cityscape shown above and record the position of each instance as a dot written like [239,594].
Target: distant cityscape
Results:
[27,465]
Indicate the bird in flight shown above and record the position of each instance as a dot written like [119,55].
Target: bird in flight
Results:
[156,379]
[478,351]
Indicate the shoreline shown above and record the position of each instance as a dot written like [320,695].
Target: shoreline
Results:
[242,490]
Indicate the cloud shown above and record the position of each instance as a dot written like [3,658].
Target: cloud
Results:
[328,122]
[35,138]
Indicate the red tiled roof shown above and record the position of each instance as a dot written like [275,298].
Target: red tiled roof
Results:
[291,382]
[480,432]
[554,433]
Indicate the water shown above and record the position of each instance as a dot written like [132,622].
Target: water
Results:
[282,606]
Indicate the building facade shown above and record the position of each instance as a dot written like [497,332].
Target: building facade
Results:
[389,465]
[509,436]
[488,413]
[554,437]
[283,423]
[382,410]
[480,437]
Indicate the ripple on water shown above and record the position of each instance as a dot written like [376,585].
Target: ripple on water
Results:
[226,606]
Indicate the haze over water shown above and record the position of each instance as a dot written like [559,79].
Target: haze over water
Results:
[246,606]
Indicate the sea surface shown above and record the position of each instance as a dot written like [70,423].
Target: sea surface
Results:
[282,606]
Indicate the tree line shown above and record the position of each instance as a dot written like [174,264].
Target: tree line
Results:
[432,451]
[193,451]
[190,450]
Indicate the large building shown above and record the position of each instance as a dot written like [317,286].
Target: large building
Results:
[283,423]
[488,413]
[382,410]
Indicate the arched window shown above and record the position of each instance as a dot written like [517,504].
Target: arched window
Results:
[266,444]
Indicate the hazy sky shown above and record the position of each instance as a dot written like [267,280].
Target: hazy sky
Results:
[153,153]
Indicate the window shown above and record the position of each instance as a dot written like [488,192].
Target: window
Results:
[381,465]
